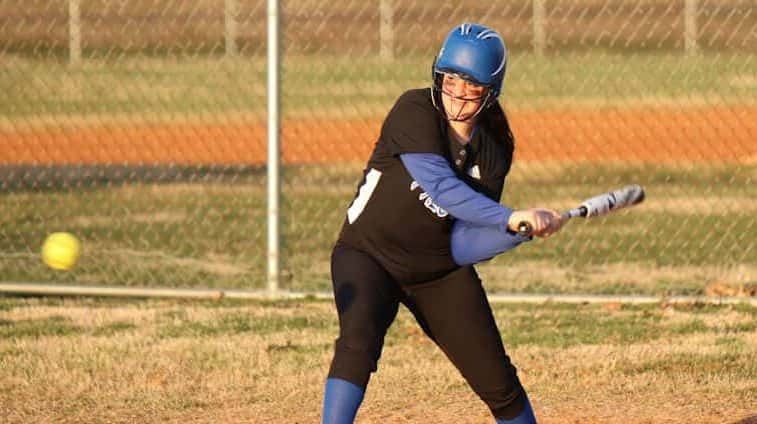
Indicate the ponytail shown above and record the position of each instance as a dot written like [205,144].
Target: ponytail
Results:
[498,125]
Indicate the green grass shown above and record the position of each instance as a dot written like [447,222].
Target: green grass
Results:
[695,228]
[113,329]
[700,367]
[552,325]
[332,87]
[49,326]
[547,325]
[564,326]
[57,326]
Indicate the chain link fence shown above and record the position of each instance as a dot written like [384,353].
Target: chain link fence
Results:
[140,126]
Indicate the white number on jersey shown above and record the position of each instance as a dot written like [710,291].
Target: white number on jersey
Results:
[363,195]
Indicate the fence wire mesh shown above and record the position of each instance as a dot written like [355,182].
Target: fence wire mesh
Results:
[140,126]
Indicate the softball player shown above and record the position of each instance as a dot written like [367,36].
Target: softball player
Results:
[426,210]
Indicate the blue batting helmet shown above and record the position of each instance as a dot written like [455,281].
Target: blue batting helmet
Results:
[476,53]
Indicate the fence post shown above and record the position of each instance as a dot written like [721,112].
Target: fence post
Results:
[231,11]
[274,124]
[539,18]
[690,26]
[386,30]
[74,31]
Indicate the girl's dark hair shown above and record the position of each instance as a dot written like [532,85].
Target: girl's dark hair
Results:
[496,120]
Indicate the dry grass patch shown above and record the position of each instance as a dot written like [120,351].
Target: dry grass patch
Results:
[216,264]
[265,362]
[636,278]
[160,217]
[700,205]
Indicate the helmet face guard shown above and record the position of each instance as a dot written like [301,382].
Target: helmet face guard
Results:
[438,90]
[474,53]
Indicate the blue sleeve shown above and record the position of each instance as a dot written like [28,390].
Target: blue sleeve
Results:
[471,243]
[435,176]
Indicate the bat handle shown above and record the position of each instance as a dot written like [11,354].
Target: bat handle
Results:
[525,229]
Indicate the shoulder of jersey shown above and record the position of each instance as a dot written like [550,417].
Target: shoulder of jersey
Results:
[418,96]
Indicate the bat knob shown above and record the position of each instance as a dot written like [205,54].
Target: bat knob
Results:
[525,229]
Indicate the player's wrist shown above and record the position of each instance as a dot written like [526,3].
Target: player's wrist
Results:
[515,219]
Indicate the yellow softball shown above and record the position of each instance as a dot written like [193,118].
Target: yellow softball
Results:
[61,251]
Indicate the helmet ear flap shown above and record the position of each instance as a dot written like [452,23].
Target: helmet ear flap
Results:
[433,67]
[436,91]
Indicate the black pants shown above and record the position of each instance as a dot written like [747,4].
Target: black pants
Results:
[453,311]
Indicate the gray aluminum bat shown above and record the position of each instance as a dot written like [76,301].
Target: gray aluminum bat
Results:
[598,205]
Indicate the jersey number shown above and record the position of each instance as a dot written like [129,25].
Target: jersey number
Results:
[363,195]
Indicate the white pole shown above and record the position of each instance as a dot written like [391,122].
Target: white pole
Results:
[274,188]
[690,26]
[74,31]
[540,37]
[386,30]
[231,10]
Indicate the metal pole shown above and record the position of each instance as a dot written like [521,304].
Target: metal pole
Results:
[690,26]
[231,11]
[274,131]
[74,31]
[540,37]
[386,30]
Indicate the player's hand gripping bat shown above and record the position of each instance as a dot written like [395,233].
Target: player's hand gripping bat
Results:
[598,205]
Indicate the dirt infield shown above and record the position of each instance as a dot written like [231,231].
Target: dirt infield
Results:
[707,134]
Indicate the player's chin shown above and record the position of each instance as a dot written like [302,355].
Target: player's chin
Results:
[460,117]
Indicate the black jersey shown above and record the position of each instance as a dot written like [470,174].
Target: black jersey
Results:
[391,217]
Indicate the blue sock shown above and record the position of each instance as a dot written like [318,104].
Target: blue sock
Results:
[341,401]
[525,417]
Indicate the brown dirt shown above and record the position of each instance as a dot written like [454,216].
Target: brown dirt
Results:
[709,134]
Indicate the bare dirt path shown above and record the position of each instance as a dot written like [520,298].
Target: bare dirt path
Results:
[713,134]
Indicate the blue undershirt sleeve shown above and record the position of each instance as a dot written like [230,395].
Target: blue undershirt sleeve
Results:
[480,231]
[435,176]
[471,243]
